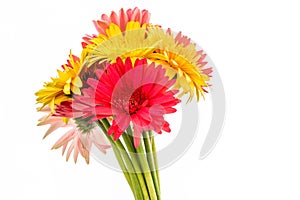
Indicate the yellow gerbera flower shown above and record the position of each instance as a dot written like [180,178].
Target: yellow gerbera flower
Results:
[177,54]
[182,61]
[121,20]
[61,88]
[131,43]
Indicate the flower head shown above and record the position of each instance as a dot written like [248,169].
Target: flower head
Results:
[182,60]
[132,43]
[76,139]
[120,21]
[139,94]
[177,54]
[61,88]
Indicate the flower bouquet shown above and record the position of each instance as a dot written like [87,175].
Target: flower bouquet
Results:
[117,92]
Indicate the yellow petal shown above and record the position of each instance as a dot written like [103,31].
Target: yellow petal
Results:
[113,30]
[77,82]
[76,90]
[67,88]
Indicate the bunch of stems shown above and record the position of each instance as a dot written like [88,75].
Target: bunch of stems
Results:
[139,165]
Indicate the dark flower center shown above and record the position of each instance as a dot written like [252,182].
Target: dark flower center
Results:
[136,101]
[131,106]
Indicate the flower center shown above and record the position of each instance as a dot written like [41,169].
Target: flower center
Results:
[131,106]
[136,101]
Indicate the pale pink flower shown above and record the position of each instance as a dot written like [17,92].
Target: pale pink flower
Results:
[74,140]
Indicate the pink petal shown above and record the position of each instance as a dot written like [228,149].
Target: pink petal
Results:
[114,18]
[64,139]
[123,20]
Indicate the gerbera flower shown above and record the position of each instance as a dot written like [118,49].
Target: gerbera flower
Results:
[62,87]
[132,43]
[76,139]
[182,61]
[176,54]
[138,94]
[121,20]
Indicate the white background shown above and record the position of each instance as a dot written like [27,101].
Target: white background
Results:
[255,46]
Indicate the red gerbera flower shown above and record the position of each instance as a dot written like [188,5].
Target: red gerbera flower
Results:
[138,94]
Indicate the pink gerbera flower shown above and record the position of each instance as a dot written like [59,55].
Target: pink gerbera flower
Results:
[139,94]
[121,20]
[75,139]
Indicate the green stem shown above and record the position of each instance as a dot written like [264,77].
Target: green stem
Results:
[148,146]
[135,162]
[118,155]
[140,155]
[155,159]
[146,171]
[135,167]
[131,176]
